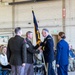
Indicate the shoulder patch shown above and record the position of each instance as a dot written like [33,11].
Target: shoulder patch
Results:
[27,45]
[49,38]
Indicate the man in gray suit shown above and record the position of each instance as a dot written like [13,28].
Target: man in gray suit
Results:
[30,51]
[16,53]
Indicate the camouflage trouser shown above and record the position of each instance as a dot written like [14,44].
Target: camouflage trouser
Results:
[17,70]
[71,64]
[74,64]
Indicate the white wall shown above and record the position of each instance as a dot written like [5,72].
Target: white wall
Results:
[49,15]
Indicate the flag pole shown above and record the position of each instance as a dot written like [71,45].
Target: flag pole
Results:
[37,35]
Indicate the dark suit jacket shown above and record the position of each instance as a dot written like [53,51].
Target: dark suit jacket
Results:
[48,49]
[62,53]
[30,51]
[16,50]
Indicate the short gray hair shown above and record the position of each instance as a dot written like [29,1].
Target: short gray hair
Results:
[46,30]
[28,32]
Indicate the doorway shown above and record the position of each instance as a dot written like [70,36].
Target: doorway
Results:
[55,39]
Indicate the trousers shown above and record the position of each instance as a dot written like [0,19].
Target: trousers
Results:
[29,69]
[17,70]
[62,70]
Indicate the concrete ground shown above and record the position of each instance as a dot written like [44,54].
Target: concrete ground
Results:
[69,73]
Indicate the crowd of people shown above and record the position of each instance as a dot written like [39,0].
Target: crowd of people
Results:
[18,55]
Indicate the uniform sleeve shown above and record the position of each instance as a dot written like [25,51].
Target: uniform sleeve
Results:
[50,44]
[24,53]
[32,50]
[59,47]
[8,52]
[68,52]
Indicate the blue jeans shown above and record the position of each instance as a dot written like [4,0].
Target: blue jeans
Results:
[4,72]
[0,71]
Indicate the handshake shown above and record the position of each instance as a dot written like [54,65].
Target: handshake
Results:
[40,48]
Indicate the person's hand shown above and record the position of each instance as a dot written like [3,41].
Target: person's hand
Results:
[57,65]
[23,64]
[39,48]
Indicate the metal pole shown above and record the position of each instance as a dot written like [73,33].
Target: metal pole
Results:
[63,15]
[13,18]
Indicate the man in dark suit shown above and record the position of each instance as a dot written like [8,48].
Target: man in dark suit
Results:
[48,51]
[16,53]
[30,51]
